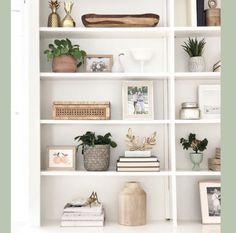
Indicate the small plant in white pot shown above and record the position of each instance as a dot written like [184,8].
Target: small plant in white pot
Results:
[96,150]
[194,49]
[198,146]
[65,56]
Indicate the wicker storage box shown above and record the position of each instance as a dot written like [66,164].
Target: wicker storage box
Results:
[81,110]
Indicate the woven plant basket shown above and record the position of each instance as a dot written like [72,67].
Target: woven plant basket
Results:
[97,158]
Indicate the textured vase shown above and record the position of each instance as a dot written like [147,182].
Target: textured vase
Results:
[196,159]
[196,64]
[118,66]
[54,19]
[97,158]
[132,205]
[64,63]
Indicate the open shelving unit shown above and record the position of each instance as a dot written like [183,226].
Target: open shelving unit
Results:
[172,83]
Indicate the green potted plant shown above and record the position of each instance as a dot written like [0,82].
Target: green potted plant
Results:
[194,49]
[65,56]
[197,146]
[96,150]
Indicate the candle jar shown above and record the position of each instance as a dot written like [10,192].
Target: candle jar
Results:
[189,111]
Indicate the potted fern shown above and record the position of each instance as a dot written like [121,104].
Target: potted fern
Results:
[197,146]
[65,56]
[96,150]
[194,49]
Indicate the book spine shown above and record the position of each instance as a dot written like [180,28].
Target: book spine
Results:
[137,153]
[201,19]
[82,223]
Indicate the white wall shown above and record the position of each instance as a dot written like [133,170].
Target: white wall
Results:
[19,153]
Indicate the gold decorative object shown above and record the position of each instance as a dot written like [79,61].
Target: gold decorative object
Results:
[68,20]
[137,143]
[54,19]
[92,200]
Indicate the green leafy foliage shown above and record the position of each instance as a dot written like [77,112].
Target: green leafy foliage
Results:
[193,47]
[195,144]
[64,47]
[90,139]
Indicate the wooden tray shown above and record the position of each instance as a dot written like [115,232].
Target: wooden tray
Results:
[141,20]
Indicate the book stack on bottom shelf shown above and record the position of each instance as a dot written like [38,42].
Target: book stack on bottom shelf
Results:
[138,161]
[85,216]
[214,164]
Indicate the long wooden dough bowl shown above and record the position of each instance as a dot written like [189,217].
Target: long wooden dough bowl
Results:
[141,20]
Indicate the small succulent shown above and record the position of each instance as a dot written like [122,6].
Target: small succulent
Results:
[195,144]
[193,47]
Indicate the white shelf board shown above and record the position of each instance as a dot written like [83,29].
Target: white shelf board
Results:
[101,76]
[53,226]
[197,75]
[104,173]
[198,173]
[202,121]
[98,33]
[104,122]
[182,32]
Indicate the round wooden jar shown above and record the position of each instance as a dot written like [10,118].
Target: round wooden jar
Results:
[213,17]
[132,205]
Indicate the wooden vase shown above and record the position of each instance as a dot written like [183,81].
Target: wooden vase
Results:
[132,205]
[64,63]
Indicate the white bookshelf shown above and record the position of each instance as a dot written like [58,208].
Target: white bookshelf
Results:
[170,77]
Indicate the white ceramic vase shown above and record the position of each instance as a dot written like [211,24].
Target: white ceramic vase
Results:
[196,64]
[132,205]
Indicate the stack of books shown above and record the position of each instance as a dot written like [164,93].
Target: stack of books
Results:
[84,216]
[214,164]
[138,161]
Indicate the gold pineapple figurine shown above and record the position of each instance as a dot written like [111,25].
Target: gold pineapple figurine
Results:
[54,19]
[68,20]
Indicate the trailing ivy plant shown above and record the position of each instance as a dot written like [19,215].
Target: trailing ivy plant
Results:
[195,144]
[65,47]
[193,47]
[90,139]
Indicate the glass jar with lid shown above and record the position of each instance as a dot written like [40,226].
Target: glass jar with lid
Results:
[189,111]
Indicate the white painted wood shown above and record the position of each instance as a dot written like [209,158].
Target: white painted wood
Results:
[197,75]
[197,31]
[201,121]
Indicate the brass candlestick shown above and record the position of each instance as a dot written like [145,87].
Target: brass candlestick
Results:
[54,18]
[68,20]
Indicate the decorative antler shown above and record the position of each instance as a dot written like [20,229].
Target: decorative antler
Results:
[93,199]
[135,143]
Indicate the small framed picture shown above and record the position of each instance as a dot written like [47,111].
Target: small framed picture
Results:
[61,158]
[137,100]
[98,63]
[210,195]
[209,101]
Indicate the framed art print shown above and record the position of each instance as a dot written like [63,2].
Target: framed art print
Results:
[98,63]
[210,196]
[137,100]
[61,158]
[209,101]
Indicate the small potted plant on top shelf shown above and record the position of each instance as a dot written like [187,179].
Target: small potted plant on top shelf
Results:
[96,150]
[65,56]
[196,145]
[194,49]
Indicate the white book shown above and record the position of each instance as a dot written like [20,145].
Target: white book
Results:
[77,217]
[82,223]
[136,153]
[84,209]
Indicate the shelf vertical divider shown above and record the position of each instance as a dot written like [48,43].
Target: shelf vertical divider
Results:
[171,99]
[33,76]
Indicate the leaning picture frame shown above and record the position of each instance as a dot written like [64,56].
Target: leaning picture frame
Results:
[210,197]
[137,100]
[209,101]
[61,158]
[98,63]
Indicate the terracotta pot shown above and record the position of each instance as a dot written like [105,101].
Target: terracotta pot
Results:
[64,63]
[132,205]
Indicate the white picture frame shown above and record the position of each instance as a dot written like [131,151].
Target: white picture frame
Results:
[98,63]
[210,197]
[209,101]
[137,100]
[61,158]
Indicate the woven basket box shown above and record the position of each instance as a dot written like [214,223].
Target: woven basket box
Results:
[81,110]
